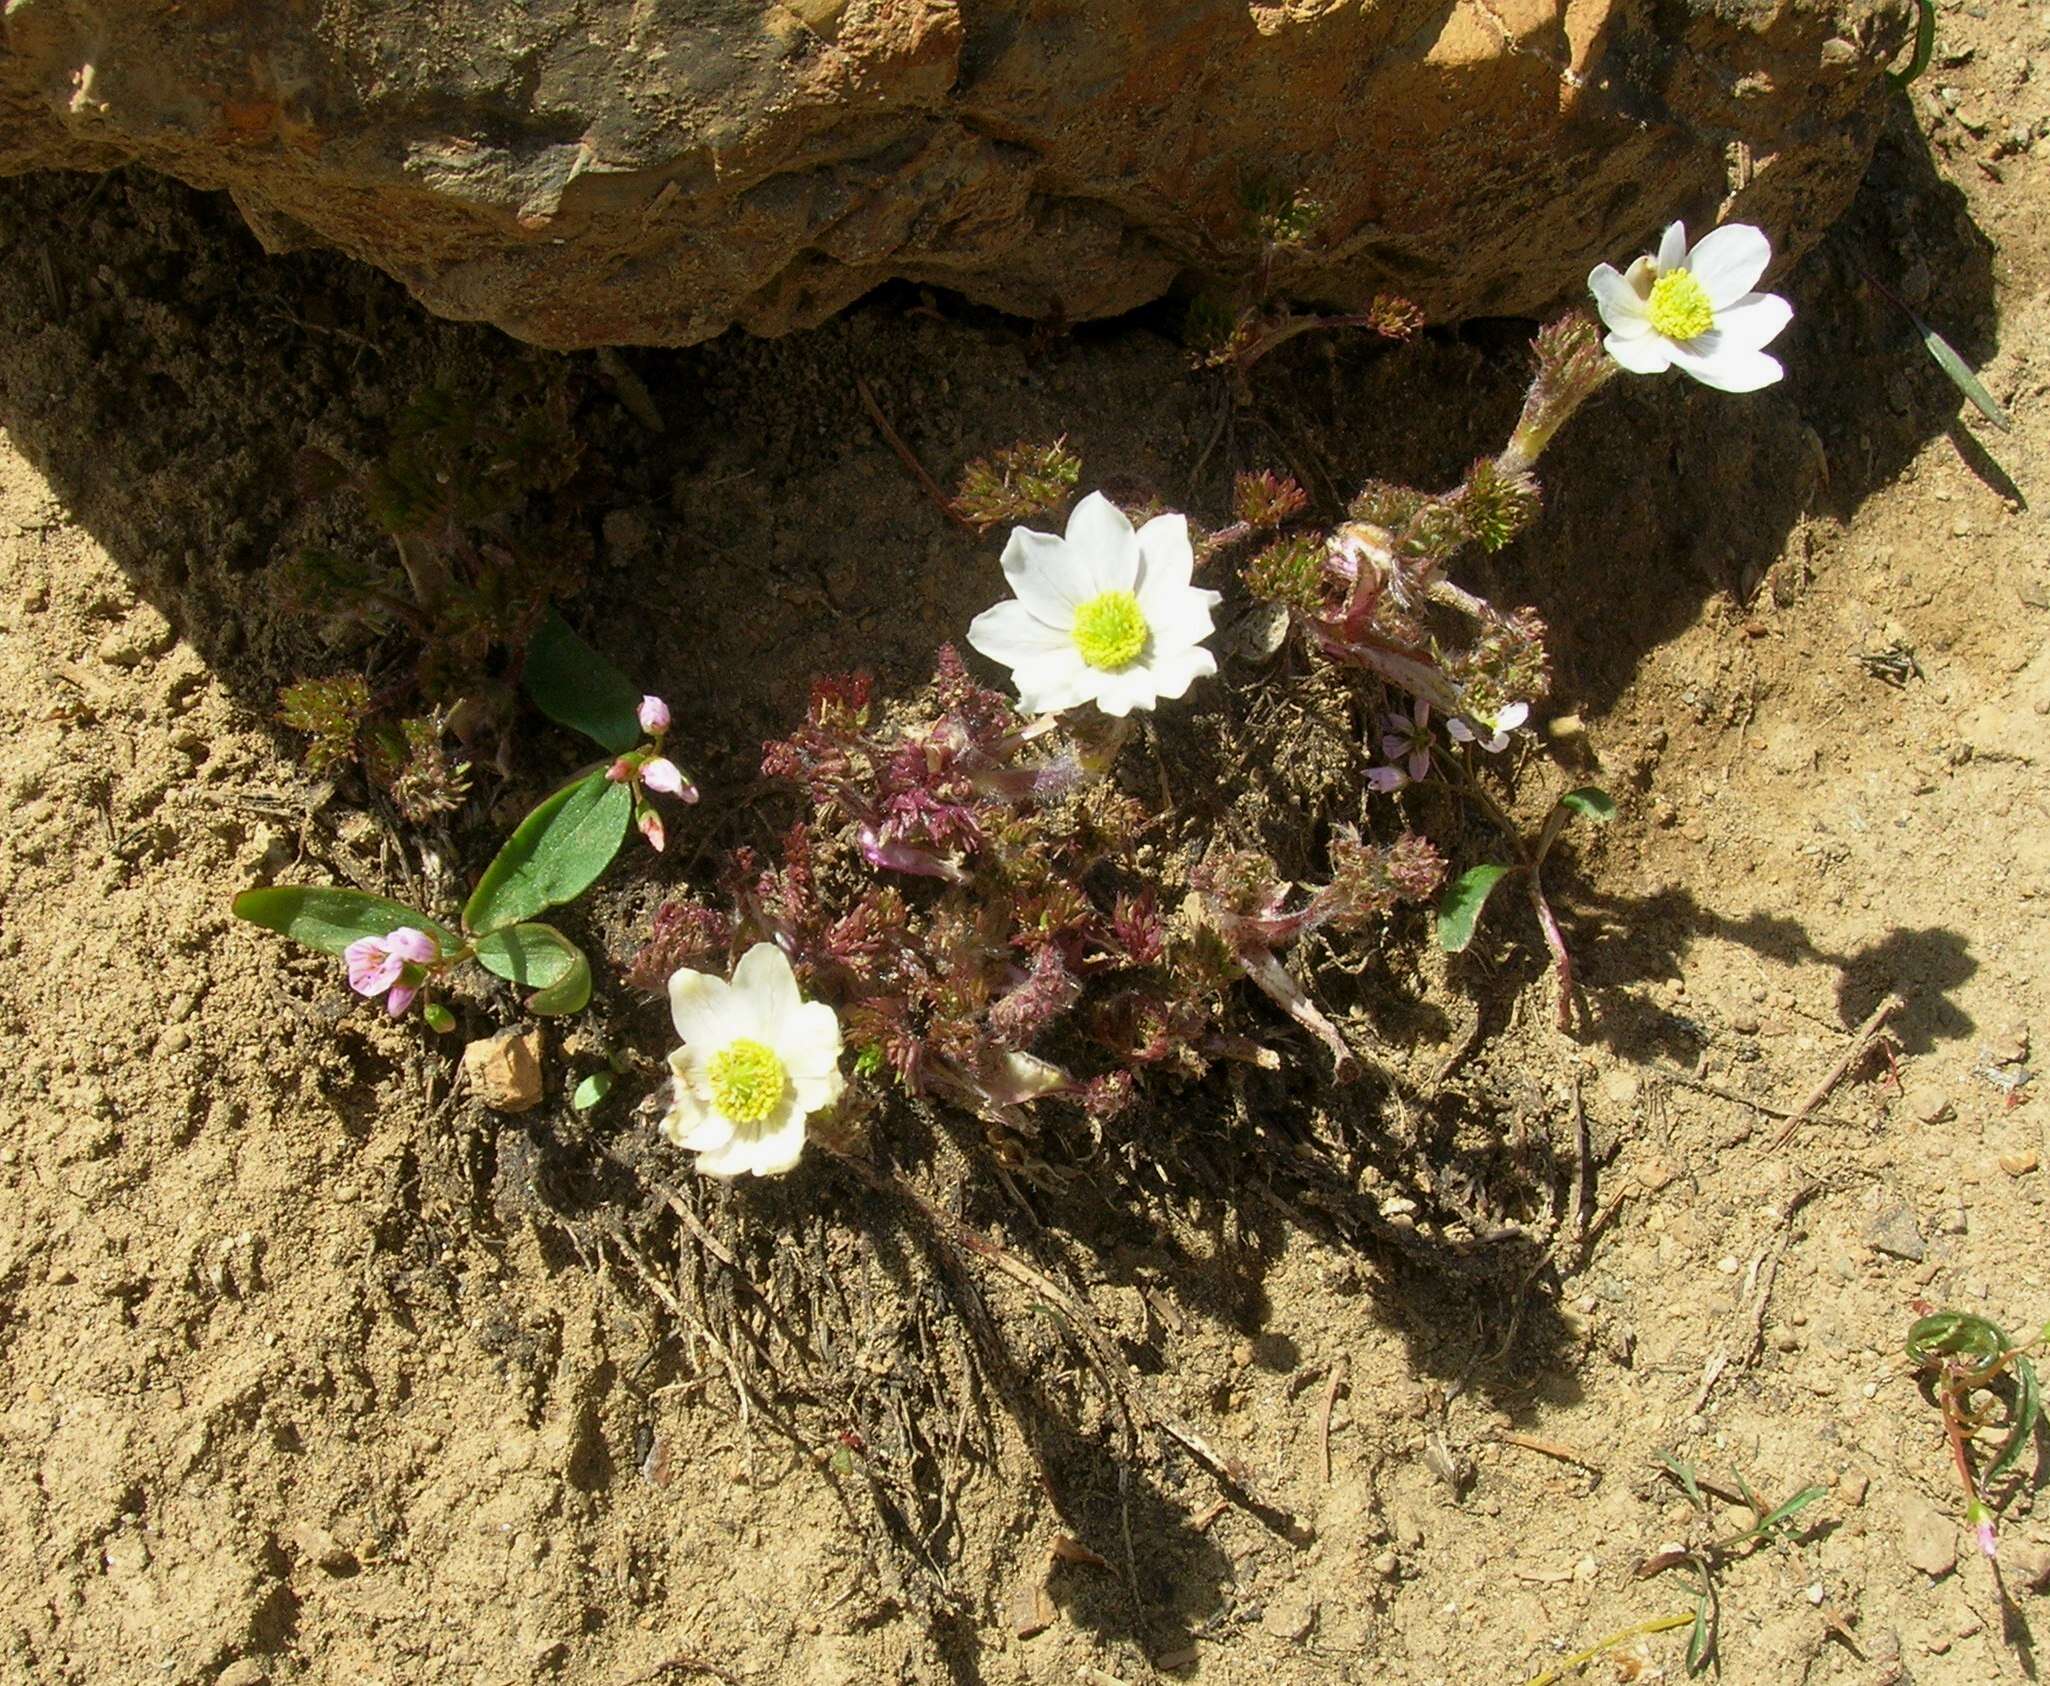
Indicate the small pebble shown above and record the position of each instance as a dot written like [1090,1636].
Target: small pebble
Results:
[1929,1539]
[1895,1232]
[1928,1104]
[505,1070]
[2018,1164]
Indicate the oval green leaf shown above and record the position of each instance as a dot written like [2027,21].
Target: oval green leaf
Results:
[329,919]
[555,856]
[591,1091]
[1590,802]
[540,958]
[1459,910]
[576,687]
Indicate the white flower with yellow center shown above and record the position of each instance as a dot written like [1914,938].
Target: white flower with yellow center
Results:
[1695,309]
[757,1060]
[1105,615]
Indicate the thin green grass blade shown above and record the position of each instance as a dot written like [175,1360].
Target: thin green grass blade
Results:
[1961,376]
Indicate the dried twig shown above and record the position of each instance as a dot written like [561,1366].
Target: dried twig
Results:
[1324,1417]
[1549,1448]
[1851,1055]
[909,458]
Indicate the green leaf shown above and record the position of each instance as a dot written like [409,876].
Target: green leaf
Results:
[438,1017]
[576,687]
[1459,910]
[2028,1406]
[330,919]
[1961,376]
[541,958]
[591,1091]
[1925,45]
[1590,802]
[1684,1474]
[555,856]
[1772,1519]
[1950,1334]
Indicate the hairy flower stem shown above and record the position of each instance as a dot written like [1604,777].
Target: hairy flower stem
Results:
[1572,367]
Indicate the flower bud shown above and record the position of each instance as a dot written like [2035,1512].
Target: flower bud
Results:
[654,716]
[661,774]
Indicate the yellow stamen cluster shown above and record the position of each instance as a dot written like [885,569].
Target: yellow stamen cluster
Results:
[1679,306]
[1110,630]
[747,1080]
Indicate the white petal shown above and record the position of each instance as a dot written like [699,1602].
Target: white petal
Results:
[1623,311]
[1754,321]
[765,1149]
[1012,634]
[1176,670]
[1118,693]
[1166,560]
[1646,354]
[690,1124]
[1176,615]
[808,1040]
[702,1006]
[765,989]
[1726,368]
[1512,717]
[815,1094]
[1728,262]
[1102,547]
[1043,575]
[778,1150]
[1673,247]
[1049,683]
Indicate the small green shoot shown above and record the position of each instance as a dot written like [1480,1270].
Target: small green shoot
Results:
[591,1090]
[1706,1560]
[1925,45]
[1959,1355]
[1459,909]
[1019,481]
[1961,376]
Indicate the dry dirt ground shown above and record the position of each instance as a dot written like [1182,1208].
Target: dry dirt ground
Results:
[312,1370]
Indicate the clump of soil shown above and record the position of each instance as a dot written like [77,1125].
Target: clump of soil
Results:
[314,1369]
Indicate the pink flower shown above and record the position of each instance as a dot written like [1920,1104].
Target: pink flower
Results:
[1406,741]
[1510,720]
[1987,1542]
[654,716]
[660,773]
[389,966]
[650,823]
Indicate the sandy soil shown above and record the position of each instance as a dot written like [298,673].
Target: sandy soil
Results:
[313,1370]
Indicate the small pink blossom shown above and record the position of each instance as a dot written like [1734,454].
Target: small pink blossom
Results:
[1987,1542]
[1406,741]
[654,715]
[1510,720]
[388,965]
[621,771]
[650,823]
[662,774]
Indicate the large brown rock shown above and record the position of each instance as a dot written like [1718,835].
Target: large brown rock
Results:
[591,171]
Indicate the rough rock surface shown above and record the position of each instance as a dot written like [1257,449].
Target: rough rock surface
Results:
[584,172]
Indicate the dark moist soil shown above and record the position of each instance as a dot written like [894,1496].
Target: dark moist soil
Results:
[313,1369]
